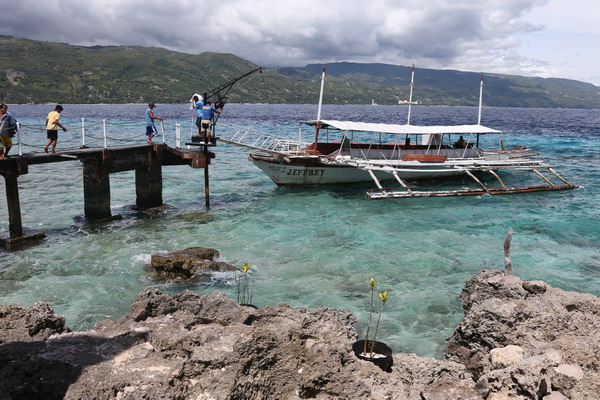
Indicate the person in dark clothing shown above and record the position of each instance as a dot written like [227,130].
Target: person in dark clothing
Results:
[8,128]
[460,143]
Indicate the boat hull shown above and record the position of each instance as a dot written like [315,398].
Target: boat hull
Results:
[314,172]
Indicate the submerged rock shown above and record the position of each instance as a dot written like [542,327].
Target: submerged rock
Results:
[197,217]
[183,265]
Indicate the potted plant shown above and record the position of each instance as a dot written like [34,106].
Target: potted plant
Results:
[244,285]
[371,350]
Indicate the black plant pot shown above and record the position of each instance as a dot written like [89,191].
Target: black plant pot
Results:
[385,363]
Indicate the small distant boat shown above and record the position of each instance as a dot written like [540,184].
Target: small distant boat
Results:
[405,101]
[362,152]
[373,102]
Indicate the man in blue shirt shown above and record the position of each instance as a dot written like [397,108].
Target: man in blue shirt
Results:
[150,128]
[208,112]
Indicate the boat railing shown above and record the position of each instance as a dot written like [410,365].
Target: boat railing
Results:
[398,153]
[260,141]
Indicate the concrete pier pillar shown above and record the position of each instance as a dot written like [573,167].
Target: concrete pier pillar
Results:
[96,190]
[15,227]
[148,184]
[17,235]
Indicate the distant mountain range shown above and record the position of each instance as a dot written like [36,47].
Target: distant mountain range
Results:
[46,72]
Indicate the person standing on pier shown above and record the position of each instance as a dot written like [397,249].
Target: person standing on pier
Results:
[8,129]
[51,124]
[150,128]
[208,112]
[197,105]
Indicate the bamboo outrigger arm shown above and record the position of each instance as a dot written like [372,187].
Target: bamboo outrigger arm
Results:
[406,192]
[497,177]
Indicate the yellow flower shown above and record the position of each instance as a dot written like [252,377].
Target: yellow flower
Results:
[246,267]
[383,296]
[372,283]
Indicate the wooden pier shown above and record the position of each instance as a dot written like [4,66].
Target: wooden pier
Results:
[98,163]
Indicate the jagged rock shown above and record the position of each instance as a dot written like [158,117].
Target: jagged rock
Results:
[551,326]
[554,356]
[503,395]
[528,379]
[571,371]
[567,378]
[29,324]
[535,287]
[506,356]
[180,265]
[556,396]
[188,346]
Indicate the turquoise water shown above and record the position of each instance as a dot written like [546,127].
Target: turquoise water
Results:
[307,247]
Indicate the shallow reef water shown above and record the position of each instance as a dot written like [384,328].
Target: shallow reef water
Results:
[307,247]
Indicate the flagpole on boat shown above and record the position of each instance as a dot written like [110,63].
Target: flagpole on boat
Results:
[480,100]
[412,84]
[319,109]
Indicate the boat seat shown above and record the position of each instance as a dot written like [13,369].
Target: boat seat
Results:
[440,158]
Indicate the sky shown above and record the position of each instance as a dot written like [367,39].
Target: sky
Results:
[545,38]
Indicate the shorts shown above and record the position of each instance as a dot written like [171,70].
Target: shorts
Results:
[206,123]
[5,140]
[52,134]
[151,130]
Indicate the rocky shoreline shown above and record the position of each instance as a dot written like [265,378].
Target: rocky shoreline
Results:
[517,340]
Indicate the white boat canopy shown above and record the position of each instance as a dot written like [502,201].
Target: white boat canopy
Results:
[401,129]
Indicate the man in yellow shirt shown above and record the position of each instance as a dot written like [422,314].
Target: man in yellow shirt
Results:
[51,124]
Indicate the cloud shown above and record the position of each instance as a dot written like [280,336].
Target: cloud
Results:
[478,35]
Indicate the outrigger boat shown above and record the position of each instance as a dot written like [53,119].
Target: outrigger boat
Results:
[432,155]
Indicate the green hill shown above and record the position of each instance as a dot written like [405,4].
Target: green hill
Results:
[449,87]
[41,72]
[55,72]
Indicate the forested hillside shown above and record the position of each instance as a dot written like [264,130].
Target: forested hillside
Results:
[42,72]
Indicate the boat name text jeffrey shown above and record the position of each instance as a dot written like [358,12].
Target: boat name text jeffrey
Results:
[309,172]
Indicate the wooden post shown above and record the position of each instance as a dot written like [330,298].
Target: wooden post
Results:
[507,262]
[206,180]
[96,190]
[148,183]
[15,226]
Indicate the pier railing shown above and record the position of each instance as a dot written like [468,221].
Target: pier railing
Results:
[87,133]
[96,134]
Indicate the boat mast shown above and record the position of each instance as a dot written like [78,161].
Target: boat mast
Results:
[319,110]
[480,100]
[412,84]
